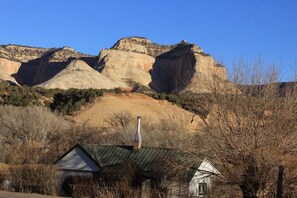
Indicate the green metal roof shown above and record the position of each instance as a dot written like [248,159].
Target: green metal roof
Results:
[107,155]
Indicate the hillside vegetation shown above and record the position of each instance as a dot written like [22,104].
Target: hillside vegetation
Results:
[69,101]
[62,101]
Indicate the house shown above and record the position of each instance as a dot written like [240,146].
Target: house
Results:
[148,169]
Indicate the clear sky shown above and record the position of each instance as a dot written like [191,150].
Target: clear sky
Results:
[229,30]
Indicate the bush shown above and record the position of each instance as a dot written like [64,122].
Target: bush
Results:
[72,100]
[196,103]
[117,90]
[18,96]
[63,101]
[85,186]
[34,178]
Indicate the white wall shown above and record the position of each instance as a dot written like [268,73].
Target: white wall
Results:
[77,160]
[204,175]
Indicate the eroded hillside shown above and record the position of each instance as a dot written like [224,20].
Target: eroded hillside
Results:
[138,105]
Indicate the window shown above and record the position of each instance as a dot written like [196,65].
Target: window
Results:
[202,188]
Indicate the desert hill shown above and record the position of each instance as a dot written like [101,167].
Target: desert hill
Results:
[137,105]
[162,68]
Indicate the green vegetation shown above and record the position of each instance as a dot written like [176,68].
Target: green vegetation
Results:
[18,96]
[137,88]
[72,100]
[117,90]
[63,101]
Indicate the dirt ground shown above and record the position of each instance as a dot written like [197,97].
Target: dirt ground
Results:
[138,105]
[24,195]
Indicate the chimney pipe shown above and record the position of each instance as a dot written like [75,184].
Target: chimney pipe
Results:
[137,137]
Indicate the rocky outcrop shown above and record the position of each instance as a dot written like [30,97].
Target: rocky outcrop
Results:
[122,66]
[78,74]
[6,77]
[142,45]
[9,66]
[164,68]
[32,66]
[7,69]
[52,63]
[20,53]
[187,68]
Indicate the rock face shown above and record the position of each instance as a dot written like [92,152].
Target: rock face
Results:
[186,68]
[20,53]
[163,68]
[41,69]
[33,66]
[142,45]
[7,69]
[121,66]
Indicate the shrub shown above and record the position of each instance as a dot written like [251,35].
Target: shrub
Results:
[33,178]
[63,101]
[196,103]
[72,100]
[117,90]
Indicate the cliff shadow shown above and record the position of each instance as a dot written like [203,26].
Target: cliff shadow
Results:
[38,71]
[91,61]
[173,71]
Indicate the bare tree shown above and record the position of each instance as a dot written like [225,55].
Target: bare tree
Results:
[27,124]
[58,142]
[251,132]
[165,133]
[24,132]
[119,119]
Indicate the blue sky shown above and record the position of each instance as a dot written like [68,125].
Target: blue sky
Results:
[229,30]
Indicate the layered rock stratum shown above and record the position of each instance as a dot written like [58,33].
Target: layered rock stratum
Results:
[164,68]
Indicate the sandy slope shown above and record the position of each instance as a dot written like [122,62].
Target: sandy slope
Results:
[136,104]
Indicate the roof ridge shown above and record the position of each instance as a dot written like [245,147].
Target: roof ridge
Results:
[123,145]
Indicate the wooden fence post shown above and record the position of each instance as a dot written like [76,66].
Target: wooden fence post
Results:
[279,192]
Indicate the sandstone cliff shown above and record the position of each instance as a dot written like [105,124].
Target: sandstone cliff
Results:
[20,53]
[187,68]
[8,68]
[164,68]
[120,66]
[13,56]
[39,70]
[32,66]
